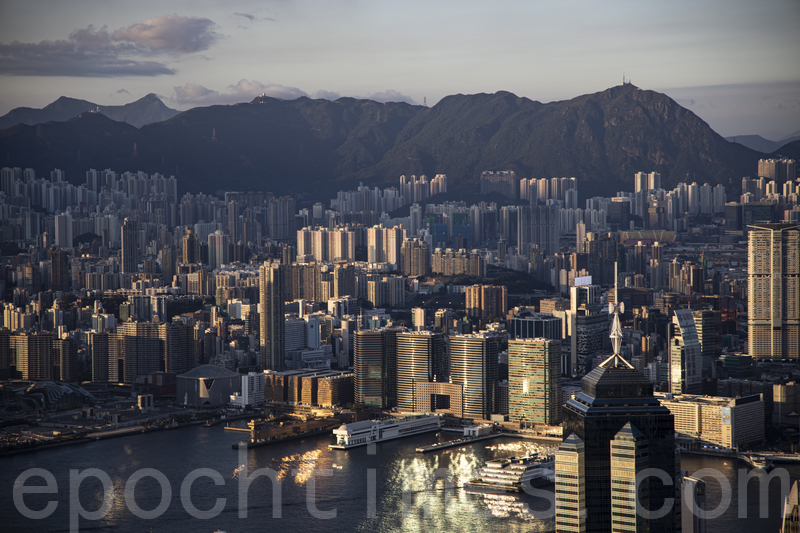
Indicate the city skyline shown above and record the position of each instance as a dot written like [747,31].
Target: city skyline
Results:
[730,64]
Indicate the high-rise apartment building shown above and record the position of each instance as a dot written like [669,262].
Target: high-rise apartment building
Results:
[539,225]
[191,247]
[130,246]
[33,354]
[473,365]
[483,301]
[534,381]
[139,348]
[218,249]
[773,291]
[63,227]
[271,305]
[416,258]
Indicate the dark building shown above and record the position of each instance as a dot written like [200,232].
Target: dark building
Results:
[59,270]
[612,395]
[375,367]
[421,357]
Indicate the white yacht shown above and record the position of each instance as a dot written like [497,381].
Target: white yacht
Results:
[511,474]
[373,431]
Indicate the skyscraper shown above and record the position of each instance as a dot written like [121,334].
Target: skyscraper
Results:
[191,247]
[473,365]
[773,291]
[130,246]
[534,381]
[421,357]
[375,367]
[616,404]
[271,281]
[63,229]
[685,356]
[218,245]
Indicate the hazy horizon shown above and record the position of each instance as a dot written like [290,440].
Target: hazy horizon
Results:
[734,64]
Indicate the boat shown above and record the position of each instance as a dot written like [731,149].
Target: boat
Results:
[757,461]
[357,434]
[512,474]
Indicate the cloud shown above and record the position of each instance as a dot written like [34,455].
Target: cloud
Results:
[172,34]
[327,95]
[253,17]
[88,52]
[243,91]
[123,91]
[390,95]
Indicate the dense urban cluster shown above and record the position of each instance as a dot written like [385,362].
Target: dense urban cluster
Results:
[685,302]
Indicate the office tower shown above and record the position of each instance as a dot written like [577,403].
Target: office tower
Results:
[130,246]
[271,281]
[63,223]
[693,505]
[421,358]
[614,399]
[570,470]
[473,365]
[629,459]
[706,323]
[416,258]
[534,381]
[375,367]
[218,249]
[773,291]
[613,395]
[483,301]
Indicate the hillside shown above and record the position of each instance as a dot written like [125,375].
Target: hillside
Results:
[311,148]
[146,110]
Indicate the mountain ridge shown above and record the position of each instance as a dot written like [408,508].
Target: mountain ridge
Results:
[310,147]
[145,110]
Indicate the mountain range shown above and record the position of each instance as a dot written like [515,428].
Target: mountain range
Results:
[145,110]
[760,144]
[312,148]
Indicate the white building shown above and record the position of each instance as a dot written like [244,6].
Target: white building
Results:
[252,391]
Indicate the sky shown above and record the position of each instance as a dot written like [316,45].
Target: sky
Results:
[735,63]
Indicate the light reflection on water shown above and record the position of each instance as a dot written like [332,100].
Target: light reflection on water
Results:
[429,505]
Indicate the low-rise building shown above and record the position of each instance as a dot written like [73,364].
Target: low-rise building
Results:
[727,422]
